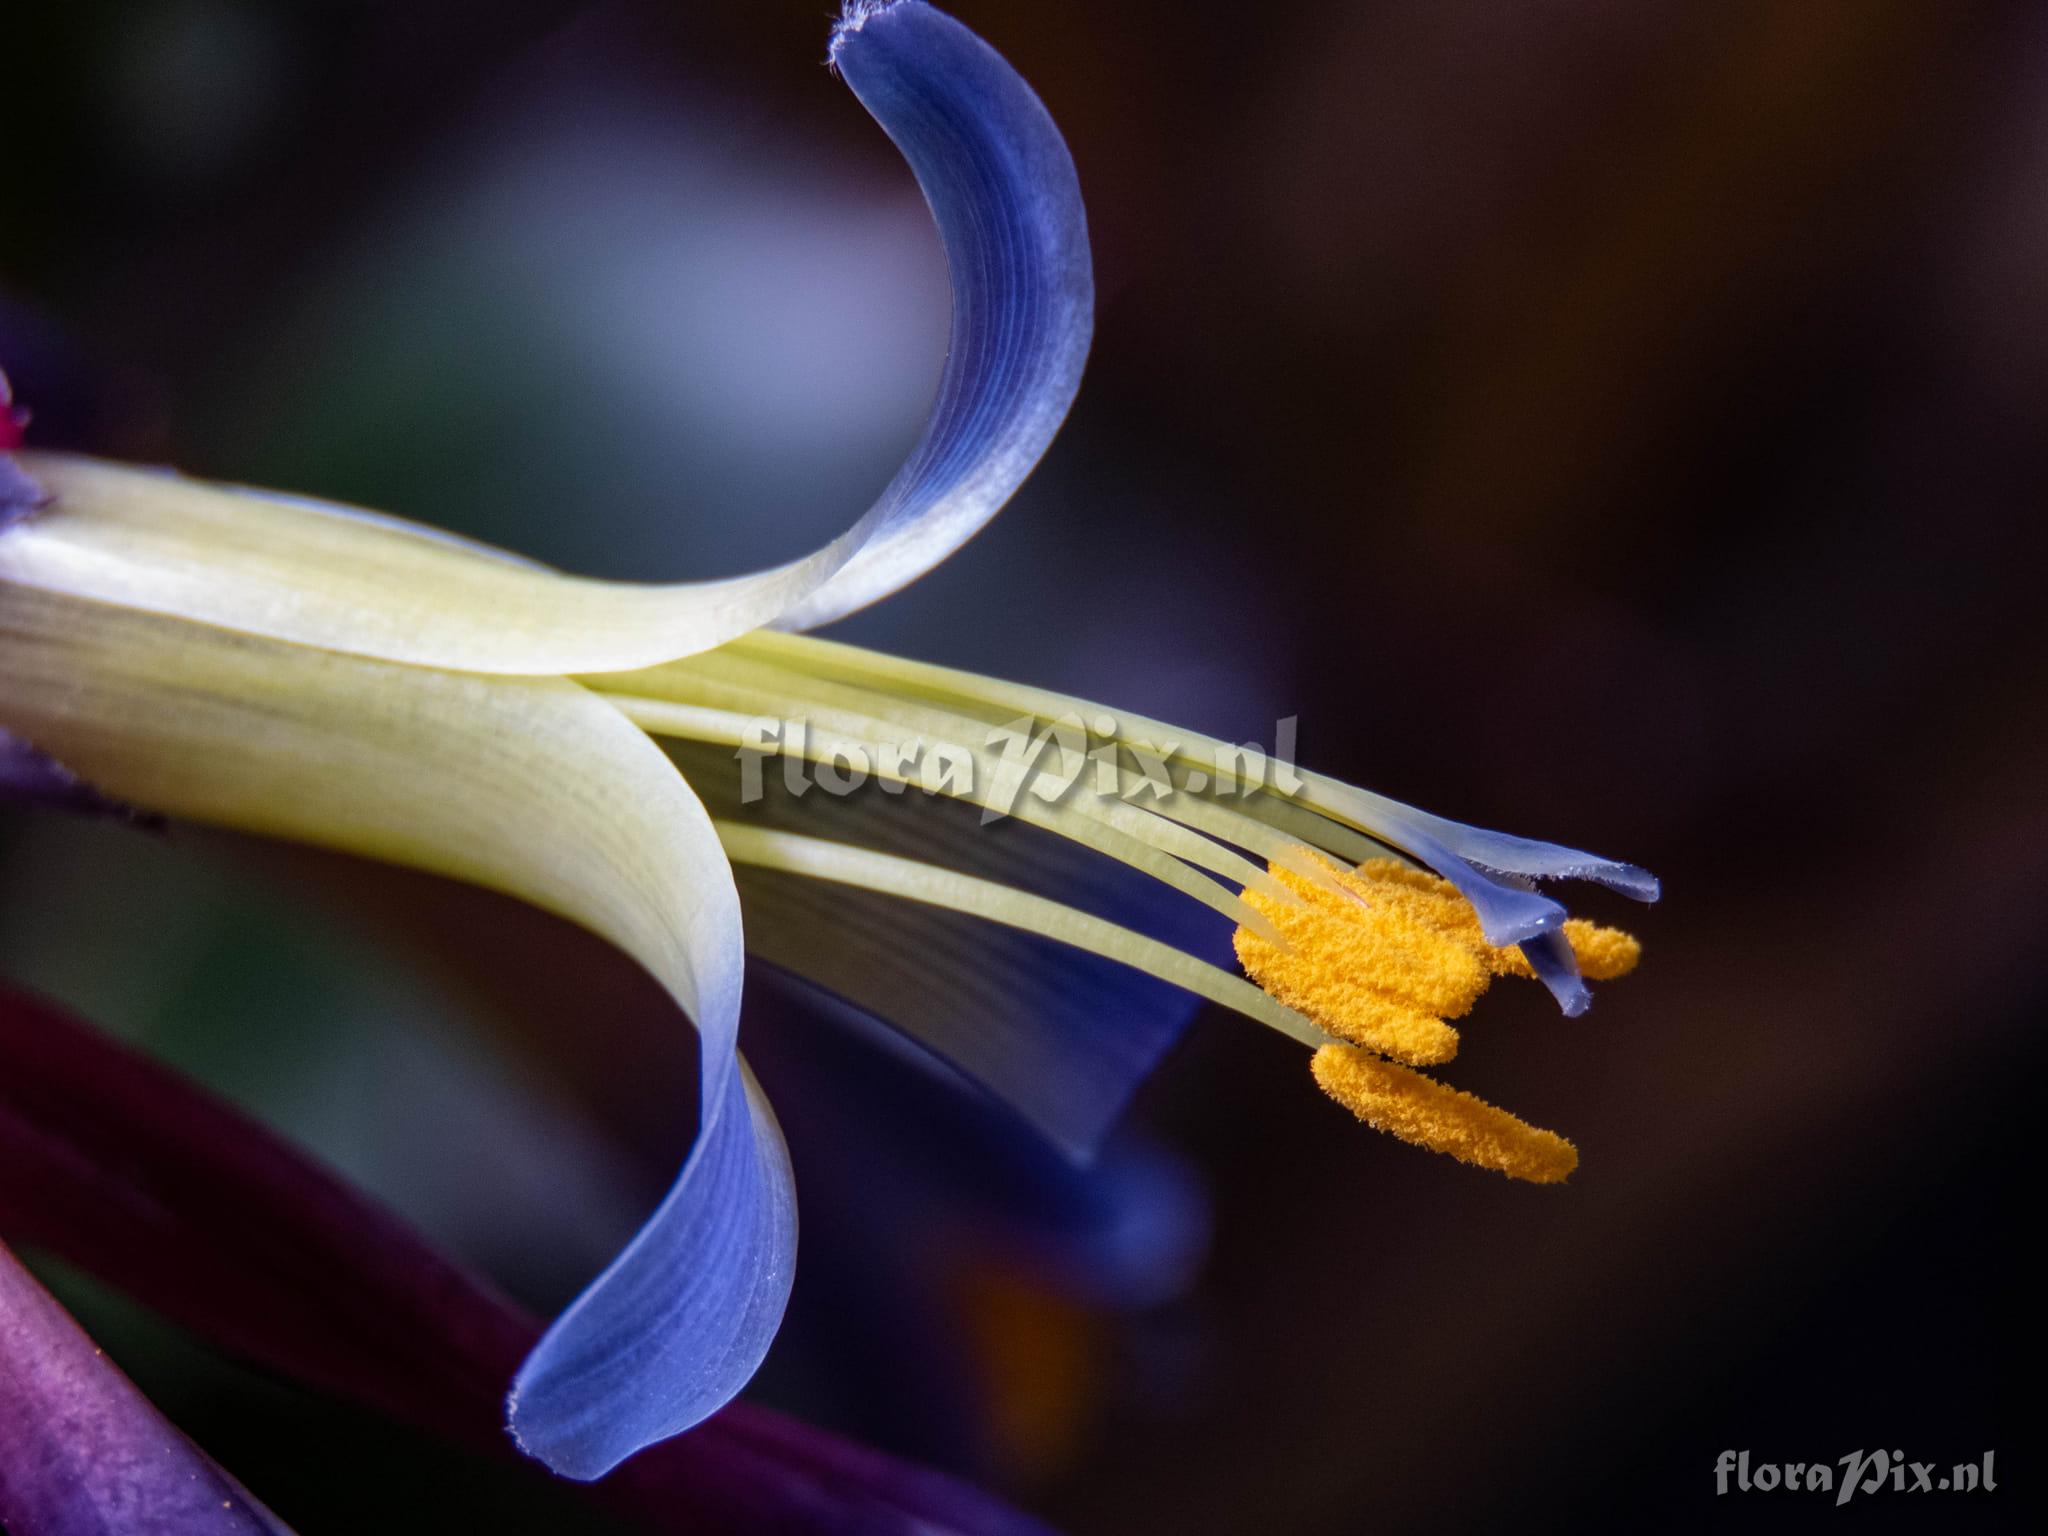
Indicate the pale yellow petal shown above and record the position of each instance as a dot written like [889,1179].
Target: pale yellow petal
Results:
[530,785]
[533,786]
[370,585]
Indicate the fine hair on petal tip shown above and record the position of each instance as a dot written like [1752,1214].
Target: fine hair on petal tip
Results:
[853,15]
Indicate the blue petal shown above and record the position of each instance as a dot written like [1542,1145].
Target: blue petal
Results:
[1004,195]
[1526,856]
[1063,1038]
[1509,911]
[1493,870]
[82,1452]
[627,1365]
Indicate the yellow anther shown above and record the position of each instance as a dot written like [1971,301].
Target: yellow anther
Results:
[1425,1112]
[1602,953]
[1382,954]
[1379,956]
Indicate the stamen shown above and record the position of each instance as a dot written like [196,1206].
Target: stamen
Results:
[1603,953]
[1379,956]
[681,698]
[1426,1113]
[1382,954]
[1348,812]
[914,880]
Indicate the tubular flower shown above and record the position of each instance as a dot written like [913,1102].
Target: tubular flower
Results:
[317,672]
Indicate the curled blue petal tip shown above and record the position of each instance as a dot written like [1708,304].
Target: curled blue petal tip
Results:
[683,1318]
[1004,194]
[853,16]
[1550,957]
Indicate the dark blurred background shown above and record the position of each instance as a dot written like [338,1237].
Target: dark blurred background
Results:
[1618,423]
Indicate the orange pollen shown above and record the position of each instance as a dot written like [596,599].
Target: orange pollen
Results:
[1382,956]
[1430,1114]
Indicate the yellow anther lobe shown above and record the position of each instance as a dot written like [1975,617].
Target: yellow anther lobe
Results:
[1379,956]
[1427,1113]
[1603,953]
[1382,954]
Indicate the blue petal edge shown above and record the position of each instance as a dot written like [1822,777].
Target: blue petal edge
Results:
[626,1365]
[1003,192]
[1551,957]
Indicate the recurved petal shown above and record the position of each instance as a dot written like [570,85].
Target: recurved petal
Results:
[681,1319]
[1003,192]
[1002,189]
[82,1452]
[533,786]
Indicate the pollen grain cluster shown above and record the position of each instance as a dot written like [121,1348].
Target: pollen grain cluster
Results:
[1382,956]
[1431,1114]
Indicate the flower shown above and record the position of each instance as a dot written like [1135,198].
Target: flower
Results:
[317,672]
